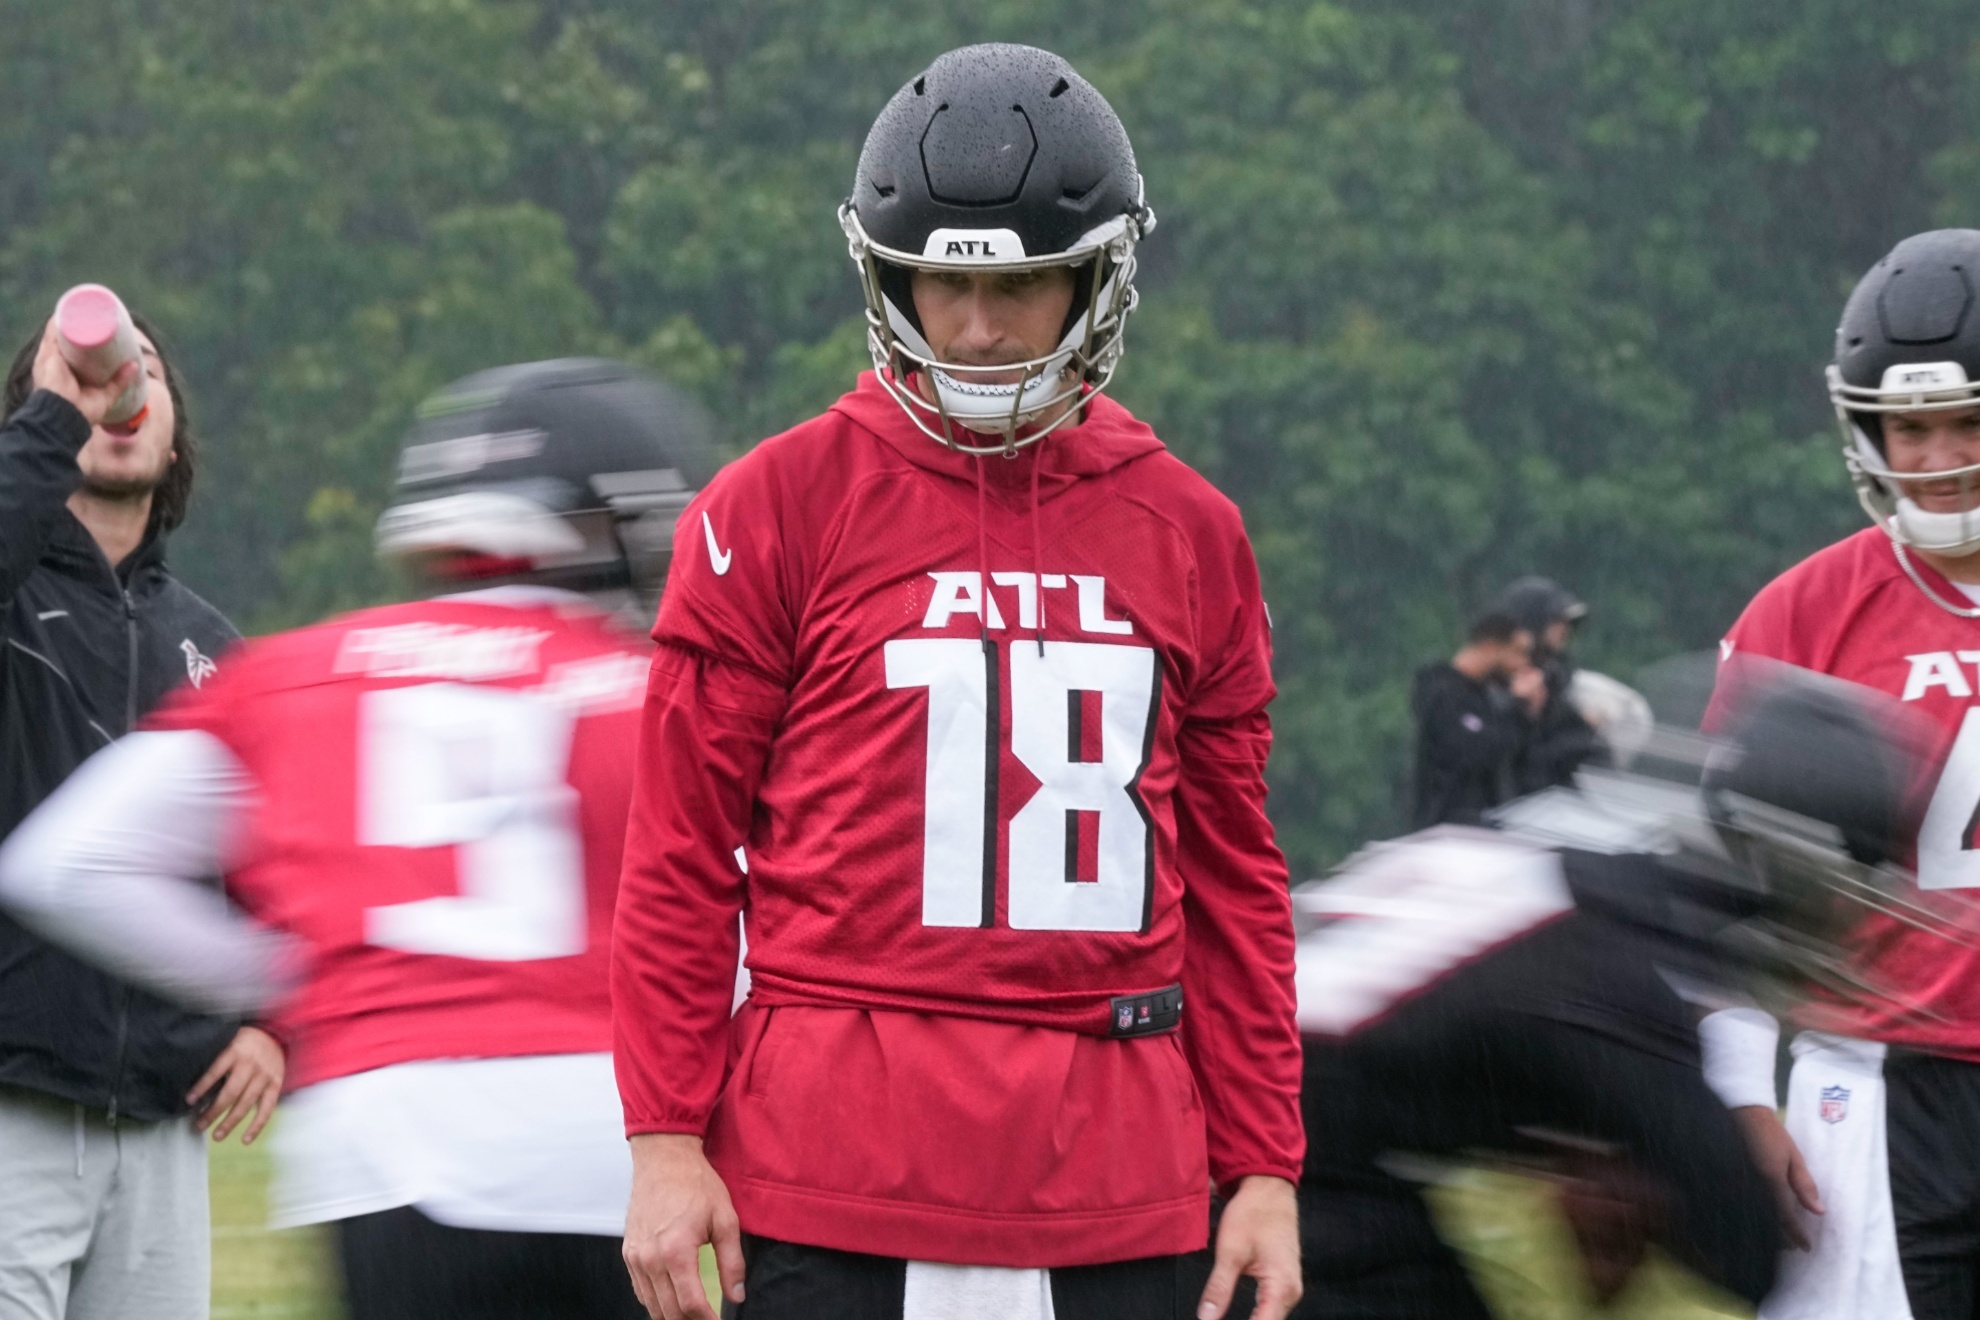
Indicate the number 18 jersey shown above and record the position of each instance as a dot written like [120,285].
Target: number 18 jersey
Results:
[440,797]
[992,734]
[1851,611]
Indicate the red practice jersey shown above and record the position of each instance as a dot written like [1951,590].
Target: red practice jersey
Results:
[1850,611]
[992,734]
[440,797]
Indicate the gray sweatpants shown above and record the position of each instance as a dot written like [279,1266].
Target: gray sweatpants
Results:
[100,1222]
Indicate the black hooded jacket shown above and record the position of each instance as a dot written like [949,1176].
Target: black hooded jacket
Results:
[1468,732]
[85,652]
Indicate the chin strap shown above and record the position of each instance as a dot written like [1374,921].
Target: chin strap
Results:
[1917,580]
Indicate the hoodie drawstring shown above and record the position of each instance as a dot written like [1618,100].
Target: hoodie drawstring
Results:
[984,606]
[1037,546]
[1037,554]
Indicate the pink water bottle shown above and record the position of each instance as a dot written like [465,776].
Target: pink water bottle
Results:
[93,328]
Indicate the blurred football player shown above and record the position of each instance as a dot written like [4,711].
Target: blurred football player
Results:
[1464,991]
[420,809]
[977,671]
[1882,1140]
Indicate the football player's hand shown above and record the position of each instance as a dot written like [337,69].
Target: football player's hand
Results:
[1779,1159]
[678,1203]
[1613,1211]
[249,1075]
[1258,1236]
[52,372]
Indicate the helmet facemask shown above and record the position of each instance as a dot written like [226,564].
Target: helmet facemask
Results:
[1781,837]
[620,540]
[968,409]
[1811,895]
[1908,388]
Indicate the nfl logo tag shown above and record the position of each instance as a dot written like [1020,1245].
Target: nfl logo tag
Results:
[1835,1104]
[1125,1018]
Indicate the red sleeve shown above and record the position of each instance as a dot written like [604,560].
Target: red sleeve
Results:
[702,747]
[715,692]
[1765,631]
[735,577]
[1239,1024]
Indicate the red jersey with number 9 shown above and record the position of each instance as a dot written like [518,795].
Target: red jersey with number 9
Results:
[440,802]
[992,734]
[1851,611]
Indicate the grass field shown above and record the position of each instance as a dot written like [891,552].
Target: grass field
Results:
[256,1273]
[1518,1250]
[261,1275]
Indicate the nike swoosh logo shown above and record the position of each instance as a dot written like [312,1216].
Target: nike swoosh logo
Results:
[718,558]
[1725,650]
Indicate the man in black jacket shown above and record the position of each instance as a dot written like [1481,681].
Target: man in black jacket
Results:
[103,1210]
[1471,716]
[1559,739]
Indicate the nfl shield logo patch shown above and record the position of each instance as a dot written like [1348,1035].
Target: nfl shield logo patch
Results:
[1835,1104]
[1124,1019]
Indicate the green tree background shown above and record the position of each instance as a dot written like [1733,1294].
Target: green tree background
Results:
[1444,290]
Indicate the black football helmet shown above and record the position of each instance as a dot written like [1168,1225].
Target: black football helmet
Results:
[1910,342]
[1782,833]
[567,473]
[997,158]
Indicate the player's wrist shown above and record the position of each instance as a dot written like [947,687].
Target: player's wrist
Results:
[1739,1046]
[1262,1186]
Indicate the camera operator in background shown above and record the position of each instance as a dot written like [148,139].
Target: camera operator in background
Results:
[1559,739]
[103,1201]
[1472,713]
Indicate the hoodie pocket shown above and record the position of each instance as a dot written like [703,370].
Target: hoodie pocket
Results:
[762,1059]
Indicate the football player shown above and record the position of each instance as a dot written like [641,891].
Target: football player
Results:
[420,809]
[977,673]
[1464,991]
[1883,1102]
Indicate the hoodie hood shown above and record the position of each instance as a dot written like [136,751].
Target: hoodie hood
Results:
[1108,438]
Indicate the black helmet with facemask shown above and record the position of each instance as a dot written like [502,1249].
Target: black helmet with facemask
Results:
[1778,836]
[567,473]
[997,158]
[1909,341]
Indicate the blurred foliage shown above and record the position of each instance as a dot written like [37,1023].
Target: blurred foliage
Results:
[1444,291]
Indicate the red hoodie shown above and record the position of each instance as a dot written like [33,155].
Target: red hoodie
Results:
[994,845]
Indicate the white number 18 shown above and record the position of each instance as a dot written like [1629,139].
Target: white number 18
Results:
[958,878]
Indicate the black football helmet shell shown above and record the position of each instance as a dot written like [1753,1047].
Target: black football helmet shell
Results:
[1910,342]
[1824,750]
[1786,828]
[997,158]
[570,473]
[1813,790]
